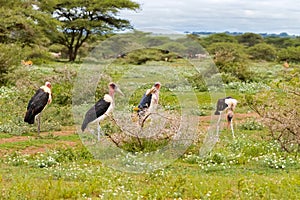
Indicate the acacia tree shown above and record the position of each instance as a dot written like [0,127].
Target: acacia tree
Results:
[22,23]
[250,39]
[79,20]
[22,33]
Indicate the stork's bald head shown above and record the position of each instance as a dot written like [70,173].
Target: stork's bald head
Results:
[157,85]
[48,84]
[113,87]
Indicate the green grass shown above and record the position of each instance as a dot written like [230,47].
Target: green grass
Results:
[24,144]
[3,135]
[248,167]
[180,180]
[251,166]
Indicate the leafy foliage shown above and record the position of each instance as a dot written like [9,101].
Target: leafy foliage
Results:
[225,52]
[230,58]
[79,20]
[21,23]
[217,38]
[139,57]
[9,57]
[250,39]
[282,43]
[291,54]
[262,51]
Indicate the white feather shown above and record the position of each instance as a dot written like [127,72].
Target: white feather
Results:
[231,103]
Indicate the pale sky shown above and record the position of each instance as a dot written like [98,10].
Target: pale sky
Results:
[259,16]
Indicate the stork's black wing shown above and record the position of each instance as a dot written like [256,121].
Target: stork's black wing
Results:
[94,112]
[36,104]
[221,105]
[145,101]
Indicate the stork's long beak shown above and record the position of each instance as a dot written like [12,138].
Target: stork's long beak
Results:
[119,91]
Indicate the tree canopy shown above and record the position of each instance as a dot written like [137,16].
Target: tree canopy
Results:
[22,23]
[249,39]
[81,19]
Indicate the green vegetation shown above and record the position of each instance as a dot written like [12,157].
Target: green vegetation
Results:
[244,168]
[263,74]
[250,166]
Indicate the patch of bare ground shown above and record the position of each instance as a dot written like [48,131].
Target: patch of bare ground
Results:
[35,149]
[204,123]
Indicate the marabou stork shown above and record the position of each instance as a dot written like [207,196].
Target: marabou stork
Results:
[226,104]
[37,104]
[149,101]
[101,109]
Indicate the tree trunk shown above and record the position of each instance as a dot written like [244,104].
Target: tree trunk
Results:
[75,44]
[72,54]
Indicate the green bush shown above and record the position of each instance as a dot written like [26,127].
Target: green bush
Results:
[237,69]
[291,54]
[250,39]
[228,78]
[142,56]
[225,53]
[9,57]
[262,51]
[62,93]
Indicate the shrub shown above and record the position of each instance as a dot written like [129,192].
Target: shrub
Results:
[291,54]
[9,57]
[230,59]
[142,56]
[238,70]
[225,53]
[279,109]
[250,39]
[262,51]
[62,93]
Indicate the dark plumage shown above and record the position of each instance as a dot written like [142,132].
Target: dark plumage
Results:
[36,105]
[94,112]
[38,102]
[101,109]
[149,101]
[221,105]
[145,101]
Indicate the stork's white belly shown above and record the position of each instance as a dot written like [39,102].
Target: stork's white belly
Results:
[154,102]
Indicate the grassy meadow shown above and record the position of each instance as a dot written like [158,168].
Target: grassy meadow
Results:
[57,164]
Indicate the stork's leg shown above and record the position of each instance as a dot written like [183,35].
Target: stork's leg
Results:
[99,131]
[218,123]
[39,123]
[231,126]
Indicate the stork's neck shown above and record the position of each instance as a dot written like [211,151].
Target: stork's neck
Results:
[111,92]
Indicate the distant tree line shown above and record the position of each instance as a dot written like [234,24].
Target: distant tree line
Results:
[256,47]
